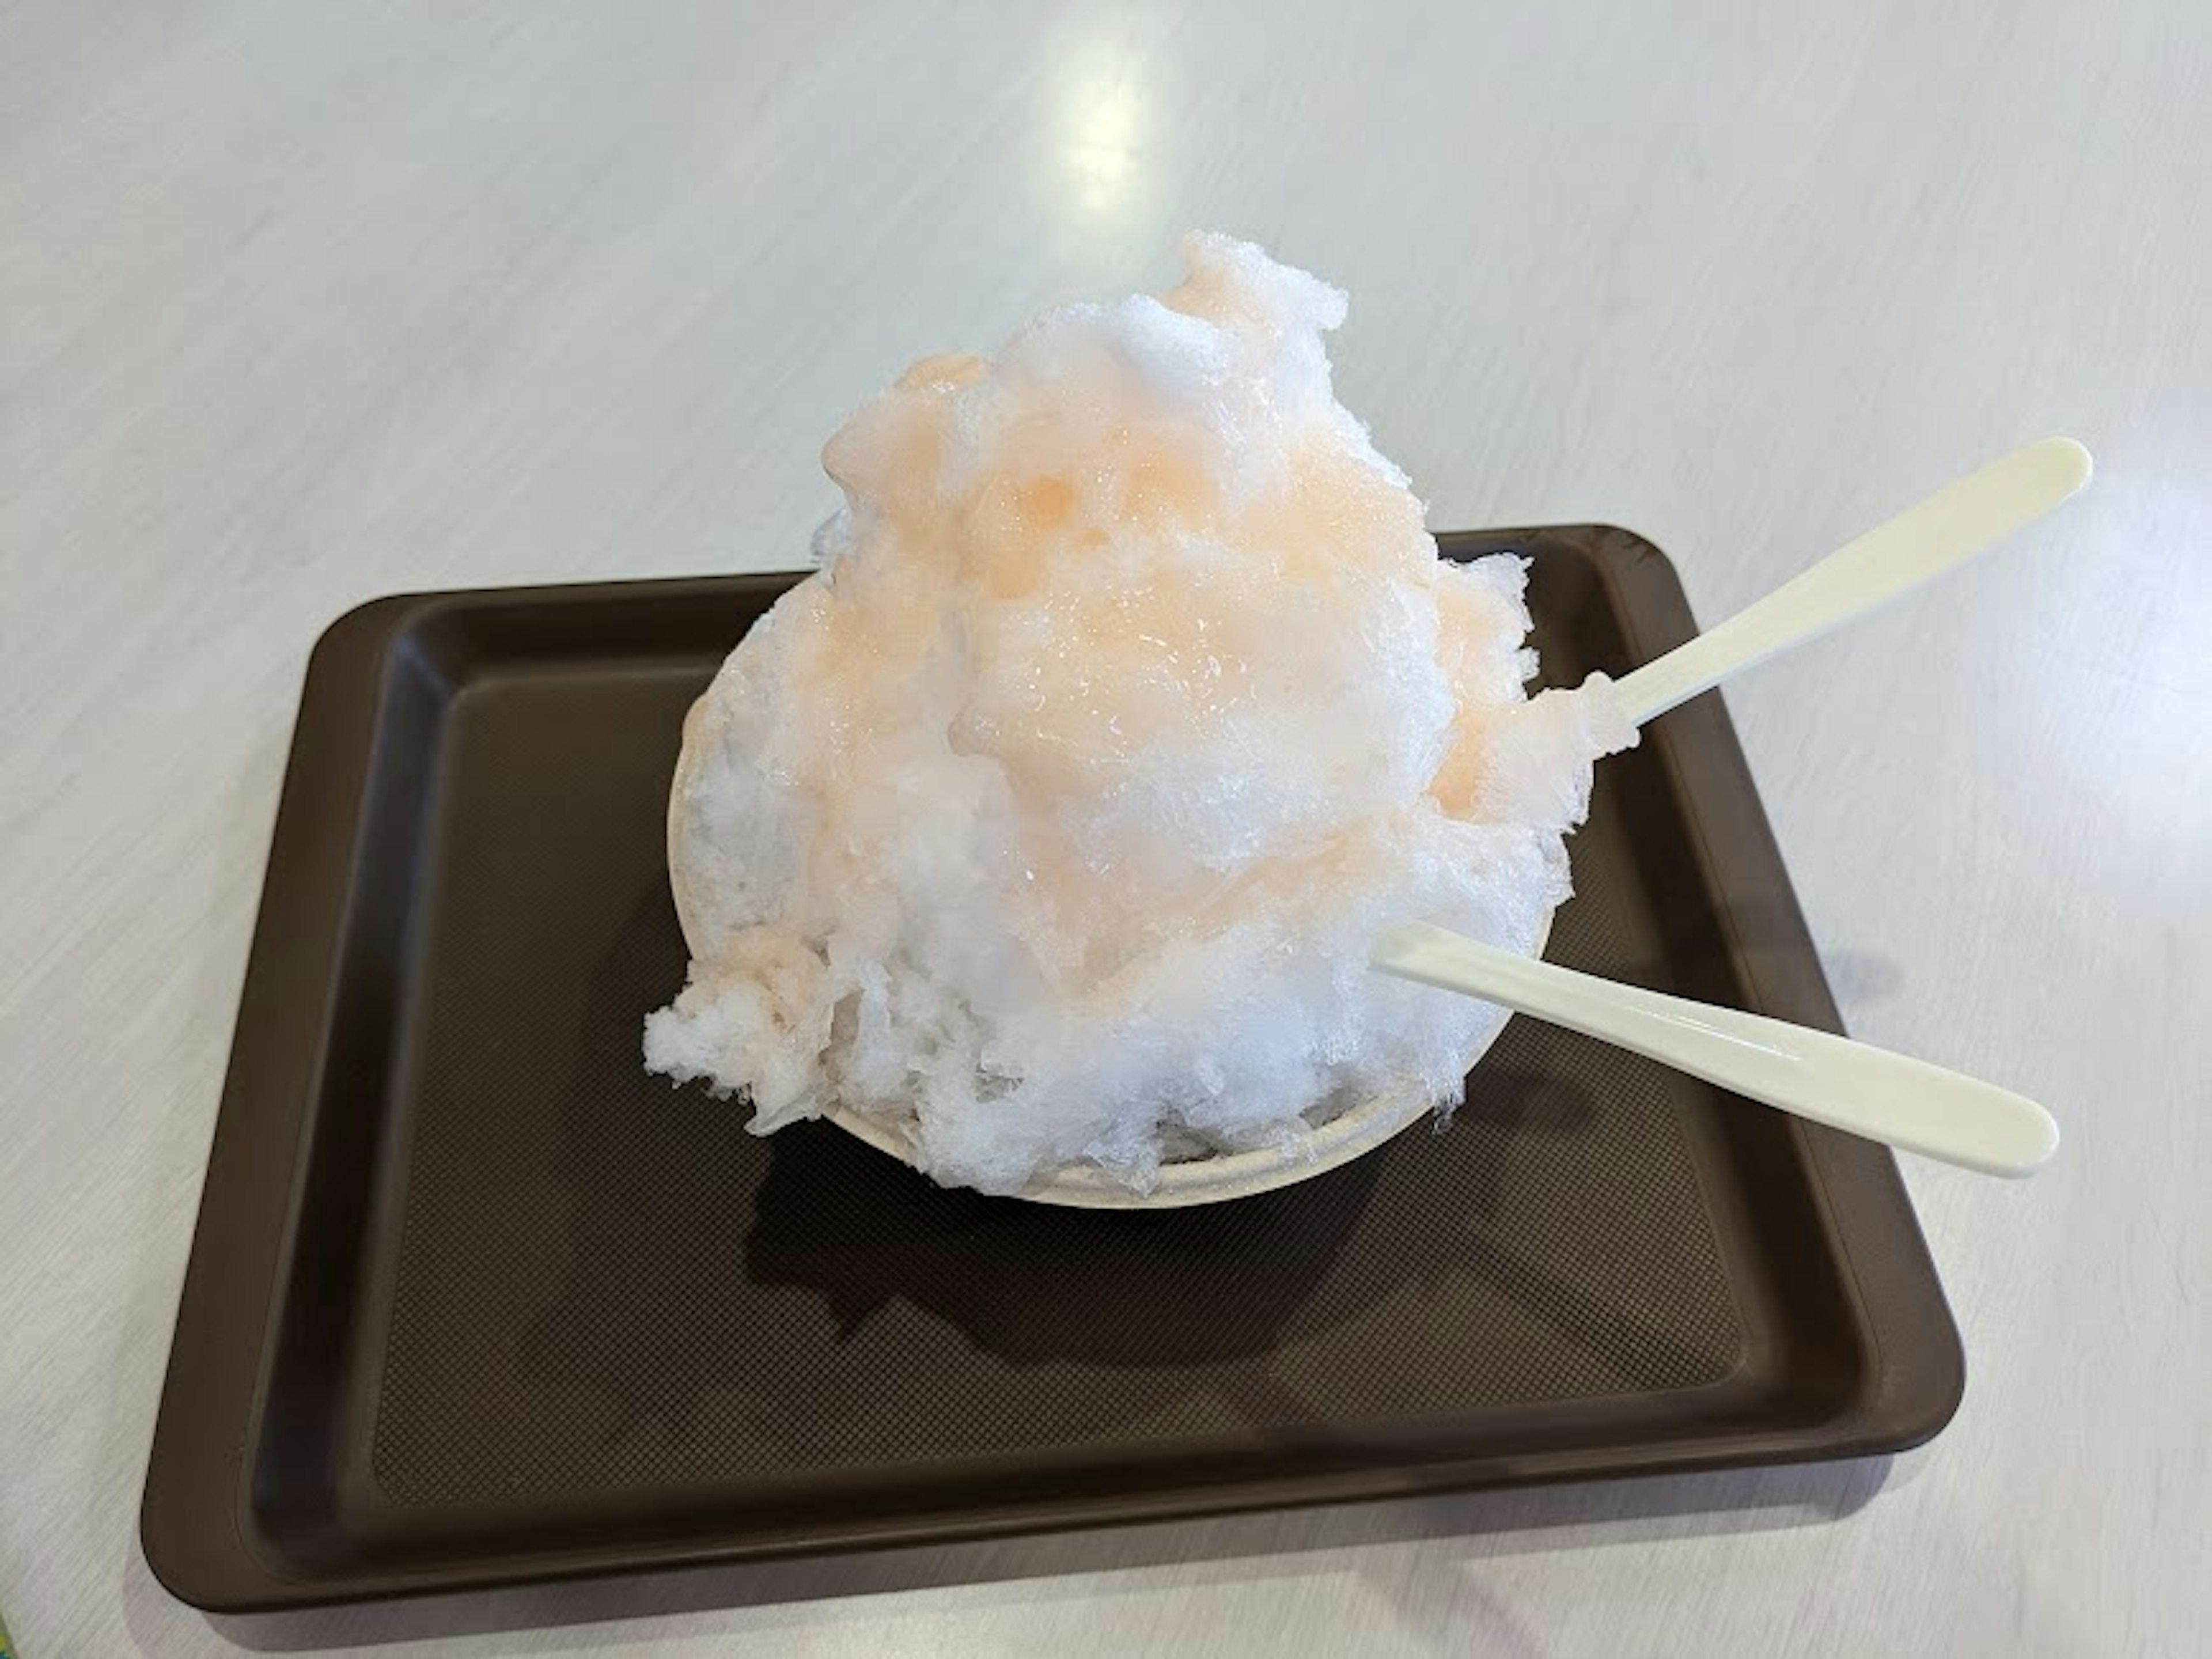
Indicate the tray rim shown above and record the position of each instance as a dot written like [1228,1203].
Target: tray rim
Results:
[195,1518]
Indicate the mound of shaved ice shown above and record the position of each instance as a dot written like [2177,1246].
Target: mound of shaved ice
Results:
[1051,820]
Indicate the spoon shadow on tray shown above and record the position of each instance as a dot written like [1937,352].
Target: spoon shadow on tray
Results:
[1814,1074]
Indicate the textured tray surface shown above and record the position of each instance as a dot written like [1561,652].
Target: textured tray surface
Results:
[541,1313]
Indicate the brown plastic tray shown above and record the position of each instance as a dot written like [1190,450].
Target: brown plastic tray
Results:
[473,1299]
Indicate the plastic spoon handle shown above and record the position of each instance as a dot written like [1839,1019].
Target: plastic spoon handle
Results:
[1830,1079]
[1916,546]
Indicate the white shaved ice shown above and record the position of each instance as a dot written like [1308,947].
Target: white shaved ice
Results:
[1051,819]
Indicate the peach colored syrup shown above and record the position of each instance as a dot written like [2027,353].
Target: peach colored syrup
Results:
[1051,818]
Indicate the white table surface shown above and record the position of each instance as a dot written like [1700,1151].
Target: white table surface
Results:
[305,302]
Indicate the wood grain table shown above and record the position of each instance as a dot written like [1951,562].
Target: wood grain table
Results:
[303,302]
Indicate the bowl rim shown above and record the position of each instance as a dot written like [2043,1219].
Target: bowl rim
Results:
[1210,1180]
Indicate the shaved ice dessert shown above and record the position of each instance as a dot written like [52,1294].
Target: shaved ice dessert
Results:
[1050,820]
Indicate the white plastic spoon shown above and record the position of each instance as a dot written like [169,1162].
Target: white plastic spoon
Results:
[1917,545]
[1830,1079]
[1870,1091]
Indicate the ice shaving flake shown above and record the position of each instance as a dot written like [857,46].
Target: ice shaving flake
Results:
[1050,821]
